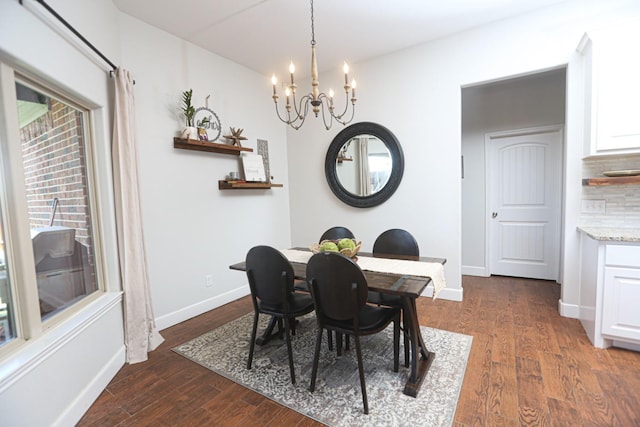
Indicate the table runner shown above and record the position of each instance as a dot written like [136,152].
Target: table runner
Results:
[434,270]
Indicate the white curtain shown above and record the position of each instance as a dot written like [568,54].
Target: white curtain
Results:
[141,334]
[365,176]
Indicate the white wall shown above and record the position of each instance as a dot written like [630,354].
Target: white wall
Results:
[416,93]
[54,377]
[525,102]
[191,228]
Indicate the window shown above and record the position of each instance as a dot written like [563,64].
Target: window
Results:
[49,210]
[7,322]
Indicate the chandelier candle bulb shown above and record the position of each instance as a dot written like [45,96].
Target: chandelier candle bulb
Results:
[292,69]
[345,68]
[274,81]
[353,89]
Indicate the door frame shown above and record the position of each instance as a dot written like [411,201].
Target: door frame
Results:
[488,138]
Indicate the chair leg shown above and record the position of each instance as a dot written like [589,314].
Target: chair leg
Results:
[287,332]
[361,371]
[316,356]
[280,328]
[292,326]
[330,339]
[396,343]
[339,343]
[252,344]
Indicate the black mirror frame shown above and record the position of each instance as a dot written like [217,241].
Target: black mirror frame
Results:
[397,170]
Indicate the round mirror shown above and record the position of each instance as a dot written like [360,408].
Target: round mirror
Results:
[364,164]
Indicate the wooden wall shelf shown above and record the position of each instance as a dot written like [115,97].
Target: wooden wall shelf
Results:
[618,180]
[225,185]
[211,147]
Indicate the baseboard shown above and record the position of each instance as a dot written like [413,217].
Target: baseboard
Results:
[451,294]
[626,345]
[569,310]
[468,270]
[85,399]
[186,313]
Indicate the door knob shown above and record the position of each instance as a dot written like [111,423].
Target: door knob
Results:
[495,214]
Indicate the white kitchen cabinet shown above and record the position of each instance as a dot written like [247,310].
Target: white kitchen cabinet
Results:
[612,90]
[610,292]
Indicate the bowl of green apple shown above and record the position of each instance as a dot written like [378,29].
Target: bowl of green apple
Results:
[347,247]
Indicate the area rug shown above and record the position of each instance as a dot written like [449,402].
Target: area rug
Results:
[337,400]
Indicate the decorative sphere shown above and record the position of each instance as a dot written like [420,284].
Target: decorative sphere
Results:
[346,244]
[329,247]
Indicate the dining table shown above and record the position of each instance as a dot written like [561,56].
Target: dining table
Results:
[407,286]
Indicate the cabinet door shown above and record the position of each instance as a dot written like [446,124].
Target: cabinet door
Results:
[617,68]
[621,295]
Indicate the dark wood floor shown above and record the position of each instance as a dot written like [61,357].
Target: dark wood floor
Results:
[528,366]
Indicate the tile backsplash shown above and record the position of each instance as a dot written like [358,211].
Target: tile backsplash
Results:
[622,201]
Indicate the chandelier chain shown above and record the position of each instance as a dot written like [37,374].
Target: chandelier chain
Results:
[313,32]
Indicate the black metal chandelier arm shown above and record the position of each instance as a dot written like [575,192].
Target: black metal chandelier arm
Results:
[297,107]
[353,111]
[324,120]
[279,116]
[346,107]
[338,117]
[299,116]
[302,117]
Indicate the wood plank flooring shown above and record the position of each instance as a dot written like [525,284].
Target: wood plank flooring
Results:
[528,367]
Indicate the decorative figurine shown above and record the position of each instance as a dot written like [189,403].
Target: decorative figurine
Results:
[236,136]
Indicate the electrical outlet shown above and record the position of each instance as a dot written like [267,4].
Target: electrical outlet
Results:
[208,281]
[592,206]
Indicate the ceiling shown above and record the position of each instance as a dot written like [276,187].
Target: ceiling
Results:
[265,35]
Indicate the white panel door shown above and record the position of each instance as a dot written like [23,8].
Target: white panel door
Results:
[524,190]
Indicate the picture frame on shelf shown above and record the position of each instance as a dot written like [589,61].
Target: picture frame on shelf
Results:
[253,168]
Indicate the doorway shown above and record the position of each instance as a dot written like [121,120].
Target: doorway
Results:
[525,102]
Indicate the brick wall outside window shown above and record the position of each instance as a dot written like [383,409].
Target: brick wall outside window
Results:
[53,157]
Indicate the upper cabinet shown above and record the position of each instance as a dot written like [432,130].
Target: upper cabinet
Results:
[612,92]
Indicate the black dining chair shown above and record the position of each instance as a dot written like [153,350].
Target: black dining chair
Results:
[336,233]
[339,290]
[271,281]
[395,243]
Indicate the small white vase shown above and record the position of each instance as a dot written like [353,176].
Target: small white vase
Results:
[190,132]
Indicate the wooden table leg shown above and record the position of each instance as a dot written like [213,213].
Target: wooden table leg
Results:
[268,333]
[421,358]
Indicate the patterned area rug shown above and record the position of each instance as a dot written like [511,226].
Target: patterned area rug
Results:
[337,400]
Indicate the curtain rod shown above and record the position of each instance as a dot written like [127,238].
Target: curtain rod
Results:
[76,33]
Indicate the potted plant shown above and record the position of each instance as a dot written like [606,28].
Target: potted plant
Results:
[189,132]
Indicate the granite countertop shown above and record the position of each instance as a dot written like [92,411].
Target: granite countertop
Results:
[612,234]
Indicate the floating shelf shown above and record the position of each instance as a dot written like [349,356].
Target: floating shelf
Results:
[211,147]
[225,185]
[618,180]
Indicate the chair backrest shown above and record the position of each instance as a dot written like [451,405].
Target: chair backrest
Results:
[335,233]
[396,242]
[265,269]
[337,284]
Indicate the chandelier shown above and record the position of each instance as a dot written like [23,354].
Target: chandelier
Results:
[319,100]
